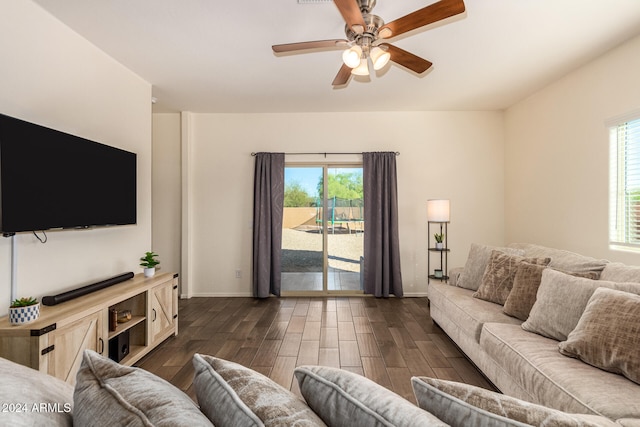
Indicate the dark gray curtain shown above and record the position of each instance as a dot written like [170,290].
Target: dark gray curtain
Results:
[382,275]
[268,199]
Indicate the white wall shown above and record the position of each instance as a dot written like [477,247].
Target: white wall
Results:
[557,157]
[166,194]
[455,155]
[53,77]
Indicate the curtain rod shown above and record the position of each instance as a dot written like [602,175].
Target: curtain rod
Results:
[325,154]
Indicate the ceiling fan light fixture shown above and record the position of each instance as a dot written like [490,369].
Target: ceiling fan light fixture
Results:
[362,69]
[385,33]
[351,56]
[379,57]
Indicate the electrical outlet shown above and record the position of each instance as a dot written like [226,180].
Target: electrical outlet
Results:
[238,274]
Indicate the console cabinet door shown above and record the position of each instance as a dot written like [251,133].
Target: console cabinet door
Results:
[66,345]
[162,311]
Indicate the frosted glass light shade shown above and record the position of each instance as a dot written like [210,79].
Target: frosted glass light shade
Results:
[351,56]
[438,210]
[362,69]
[379,57]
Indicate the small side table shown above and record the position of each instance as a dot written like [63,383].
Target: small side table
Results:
[440,271]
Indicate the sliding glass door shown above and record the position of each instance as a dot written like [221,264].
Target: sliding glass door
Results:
[323,227]
[302,238]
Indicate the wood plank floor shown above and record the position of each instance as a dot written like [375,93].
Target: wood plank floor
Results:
[386,340]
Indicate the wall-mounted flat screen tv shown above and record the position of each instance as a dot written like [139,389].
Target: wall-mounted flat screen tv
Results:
[50,180]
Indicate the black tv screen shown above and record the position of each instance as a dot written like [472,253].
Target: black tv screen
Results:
[50,179]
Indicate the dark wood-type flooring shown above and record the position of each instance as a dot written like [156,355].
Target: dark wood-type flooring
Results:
[386,340]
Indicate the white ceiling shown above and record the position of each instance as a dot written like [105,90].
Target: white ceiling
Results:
[215,56]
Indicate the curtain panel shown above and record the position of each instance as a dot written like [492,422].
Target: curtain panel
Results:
[382,275]
[268,201]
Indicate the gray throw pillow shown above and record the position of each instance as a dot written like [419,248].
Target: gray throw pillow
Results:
[345,399]
[110,394]
[561,300]
[497,280]
[608,333]
[465,405]
[234,395]
[525,289]
[477,262]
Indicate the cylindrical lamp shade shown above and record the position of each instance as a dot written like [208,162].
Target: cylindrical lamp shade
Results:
[438,210]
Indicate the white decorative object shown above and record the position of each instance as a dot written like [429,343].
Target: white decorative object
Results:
[149,272]
[24,315]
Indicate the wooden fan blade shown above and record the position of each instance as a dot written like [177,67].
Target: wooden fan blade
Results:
[350,11]
[425,16]
[343,76]
[319,44]
[407,59]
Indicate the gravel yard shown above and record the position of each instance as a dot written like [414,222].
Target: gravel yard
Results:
[302,250]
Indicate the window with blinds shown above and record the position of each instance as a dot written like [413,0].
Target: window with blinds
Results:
[624,215]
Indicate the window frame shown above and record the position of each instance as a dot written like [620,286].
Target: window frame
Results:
[624,180]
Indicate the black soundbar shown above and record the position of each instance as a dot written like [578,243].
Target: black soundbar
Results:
[75,293]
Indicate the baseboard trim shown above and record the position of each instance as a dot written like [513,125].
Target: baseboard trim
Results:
[219,295]
[248,294]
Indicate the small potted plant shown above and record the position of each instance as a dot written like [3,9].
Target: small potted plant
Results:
[439,238]
[149,263]
[23,311]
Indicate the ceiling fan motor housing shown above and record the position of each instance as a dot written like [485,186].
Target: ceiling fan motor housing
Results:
[370,33]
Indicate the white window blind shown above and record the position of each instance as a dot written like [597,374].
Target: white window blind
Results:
[624,208]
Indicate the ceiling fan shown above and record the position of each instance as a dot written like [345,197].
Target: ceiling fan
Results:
[366,33]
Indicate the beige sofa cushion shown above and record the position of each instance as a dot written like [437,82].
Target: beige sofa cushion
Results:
[608,333]
[468,313]
[476,264]
[557,381]
[497,280]
[24,390]
[461,404]
[561,300]
[618,272]
[562,259]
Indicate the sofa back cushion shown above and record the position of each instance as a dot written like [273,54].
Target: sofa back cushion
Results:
[345,399]
[562,259]
[230,394]
[561,300]
[477,262]
[619,272]
[33,398]
[110,394]
[461,404]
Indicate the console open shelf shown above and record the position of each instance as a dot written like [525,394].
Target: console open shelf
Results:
[54,342]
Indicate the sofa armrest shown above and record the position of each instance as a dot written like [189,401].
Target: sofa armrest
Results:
[454,275]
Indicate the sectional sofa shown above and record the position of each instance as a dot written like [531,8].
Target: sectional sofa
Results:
[548,326]
[229,394]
